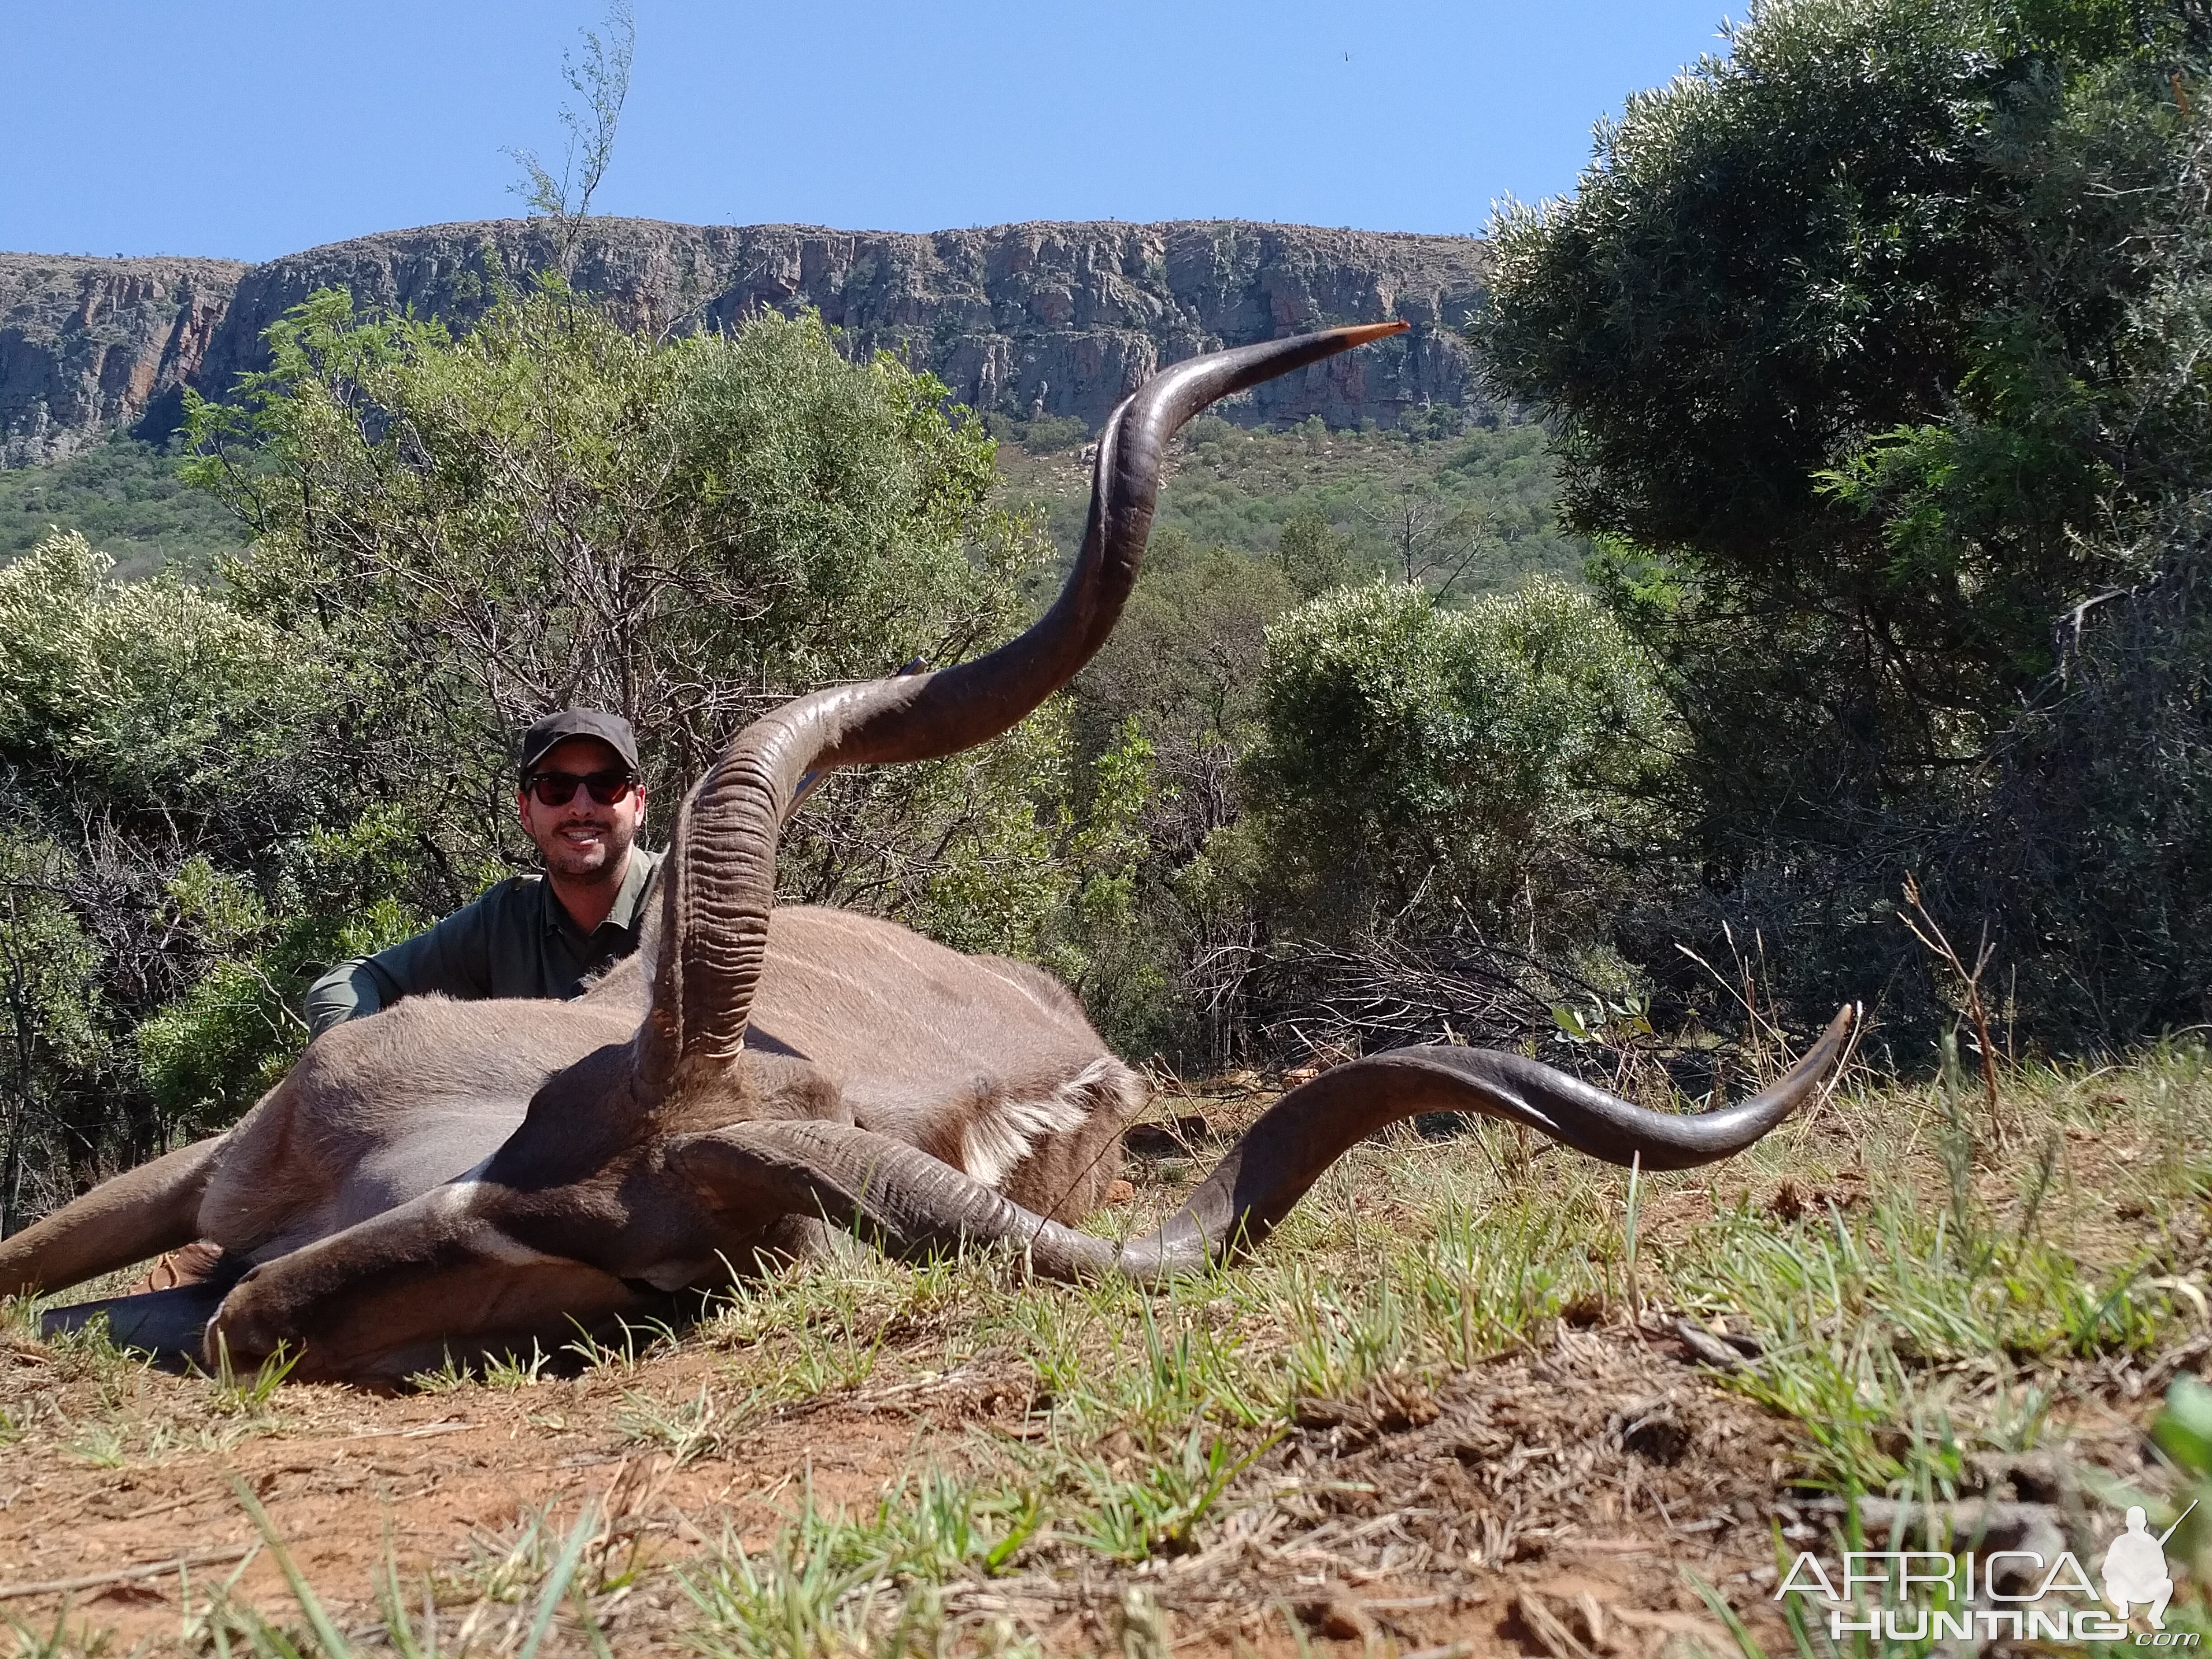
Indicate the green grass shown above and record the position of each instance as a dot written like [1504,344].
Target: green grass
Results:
[1902,1333]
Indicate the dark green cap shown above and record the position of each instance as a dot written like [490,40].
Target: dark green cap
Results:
[612,730]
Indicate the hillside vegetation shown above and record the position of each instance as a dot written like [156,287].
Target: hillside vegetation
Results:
[129,499]
[1475,505]
[1488,491]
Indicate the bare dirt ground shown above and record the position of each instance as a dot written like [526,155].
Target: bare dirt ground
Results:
[1551,1503]
[1566,1490]
[451,1479]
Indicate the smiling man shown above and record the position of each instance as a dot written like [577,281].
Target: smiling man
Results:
[582,801]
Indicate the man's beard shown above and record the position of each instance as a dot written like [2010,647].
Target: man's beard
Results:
[589,865]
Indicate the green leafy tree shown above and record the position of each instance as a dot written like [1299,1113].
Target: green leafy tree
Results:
[553,510]
[1875,354]
[1844,342]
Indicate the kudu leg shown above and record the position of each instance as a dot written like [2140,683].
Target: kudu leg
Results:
[398,1293]
[139,1214]
[910,1203]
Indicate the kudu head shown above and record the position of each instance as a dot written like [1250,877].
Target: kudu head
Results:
[654,1164]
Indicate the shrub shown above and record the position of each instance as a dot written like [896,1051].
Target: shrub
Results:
[1482,762]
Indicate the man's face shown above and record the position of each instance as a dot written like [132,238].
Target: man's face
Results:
[581,839]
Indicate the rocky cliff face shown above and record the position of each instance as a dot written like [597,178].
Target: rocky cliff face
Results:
[87,345]
[1029,320]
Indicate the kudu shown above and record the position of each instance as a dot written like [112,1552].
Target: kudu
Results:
[458,1178]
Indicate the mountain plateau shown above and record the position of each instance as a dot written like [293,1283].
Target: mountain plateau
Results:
[1025,320]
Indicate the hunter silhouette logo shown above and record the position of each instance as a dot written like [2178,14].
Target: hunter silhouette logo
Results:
[2009,1595]
[2136,1574]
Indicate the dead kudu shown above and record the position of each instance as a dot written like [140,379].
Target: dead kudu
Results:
[462,1178]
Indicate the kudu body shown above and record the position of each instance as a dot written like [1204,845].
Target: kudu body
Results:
[459,1178]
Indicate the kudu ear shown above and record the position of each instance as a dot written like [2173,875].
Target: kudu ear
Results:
[720,883]
[908,1202]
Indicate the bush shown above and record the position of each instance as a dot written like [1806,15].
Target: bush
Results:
[150,730]
[161,698]
[60,1046]
[1427,764]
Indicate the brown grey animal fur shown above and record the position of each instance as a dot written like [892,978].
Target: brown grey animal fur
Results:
[987,1064]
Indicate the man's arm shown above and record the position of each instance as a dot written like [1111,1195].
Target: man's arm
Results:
[351,990]
[453,956]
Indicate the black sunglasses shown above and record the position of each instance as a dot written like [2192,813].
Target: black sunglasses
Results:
[559,789]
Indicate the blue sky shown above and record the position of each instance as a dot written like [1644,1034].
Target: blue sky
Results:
[250,129]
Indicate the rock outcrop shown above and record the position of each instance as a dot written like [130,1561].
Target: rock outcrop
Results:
[87,345]
[1029,320]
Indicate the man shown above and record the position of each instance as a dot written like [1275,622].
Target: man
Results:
[582,800]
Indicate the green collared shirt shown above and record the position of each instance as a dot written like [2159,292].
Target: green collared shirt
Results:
[515,939]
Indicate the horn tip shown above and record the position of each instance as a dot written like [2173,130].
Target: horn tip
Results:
[1360,334]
